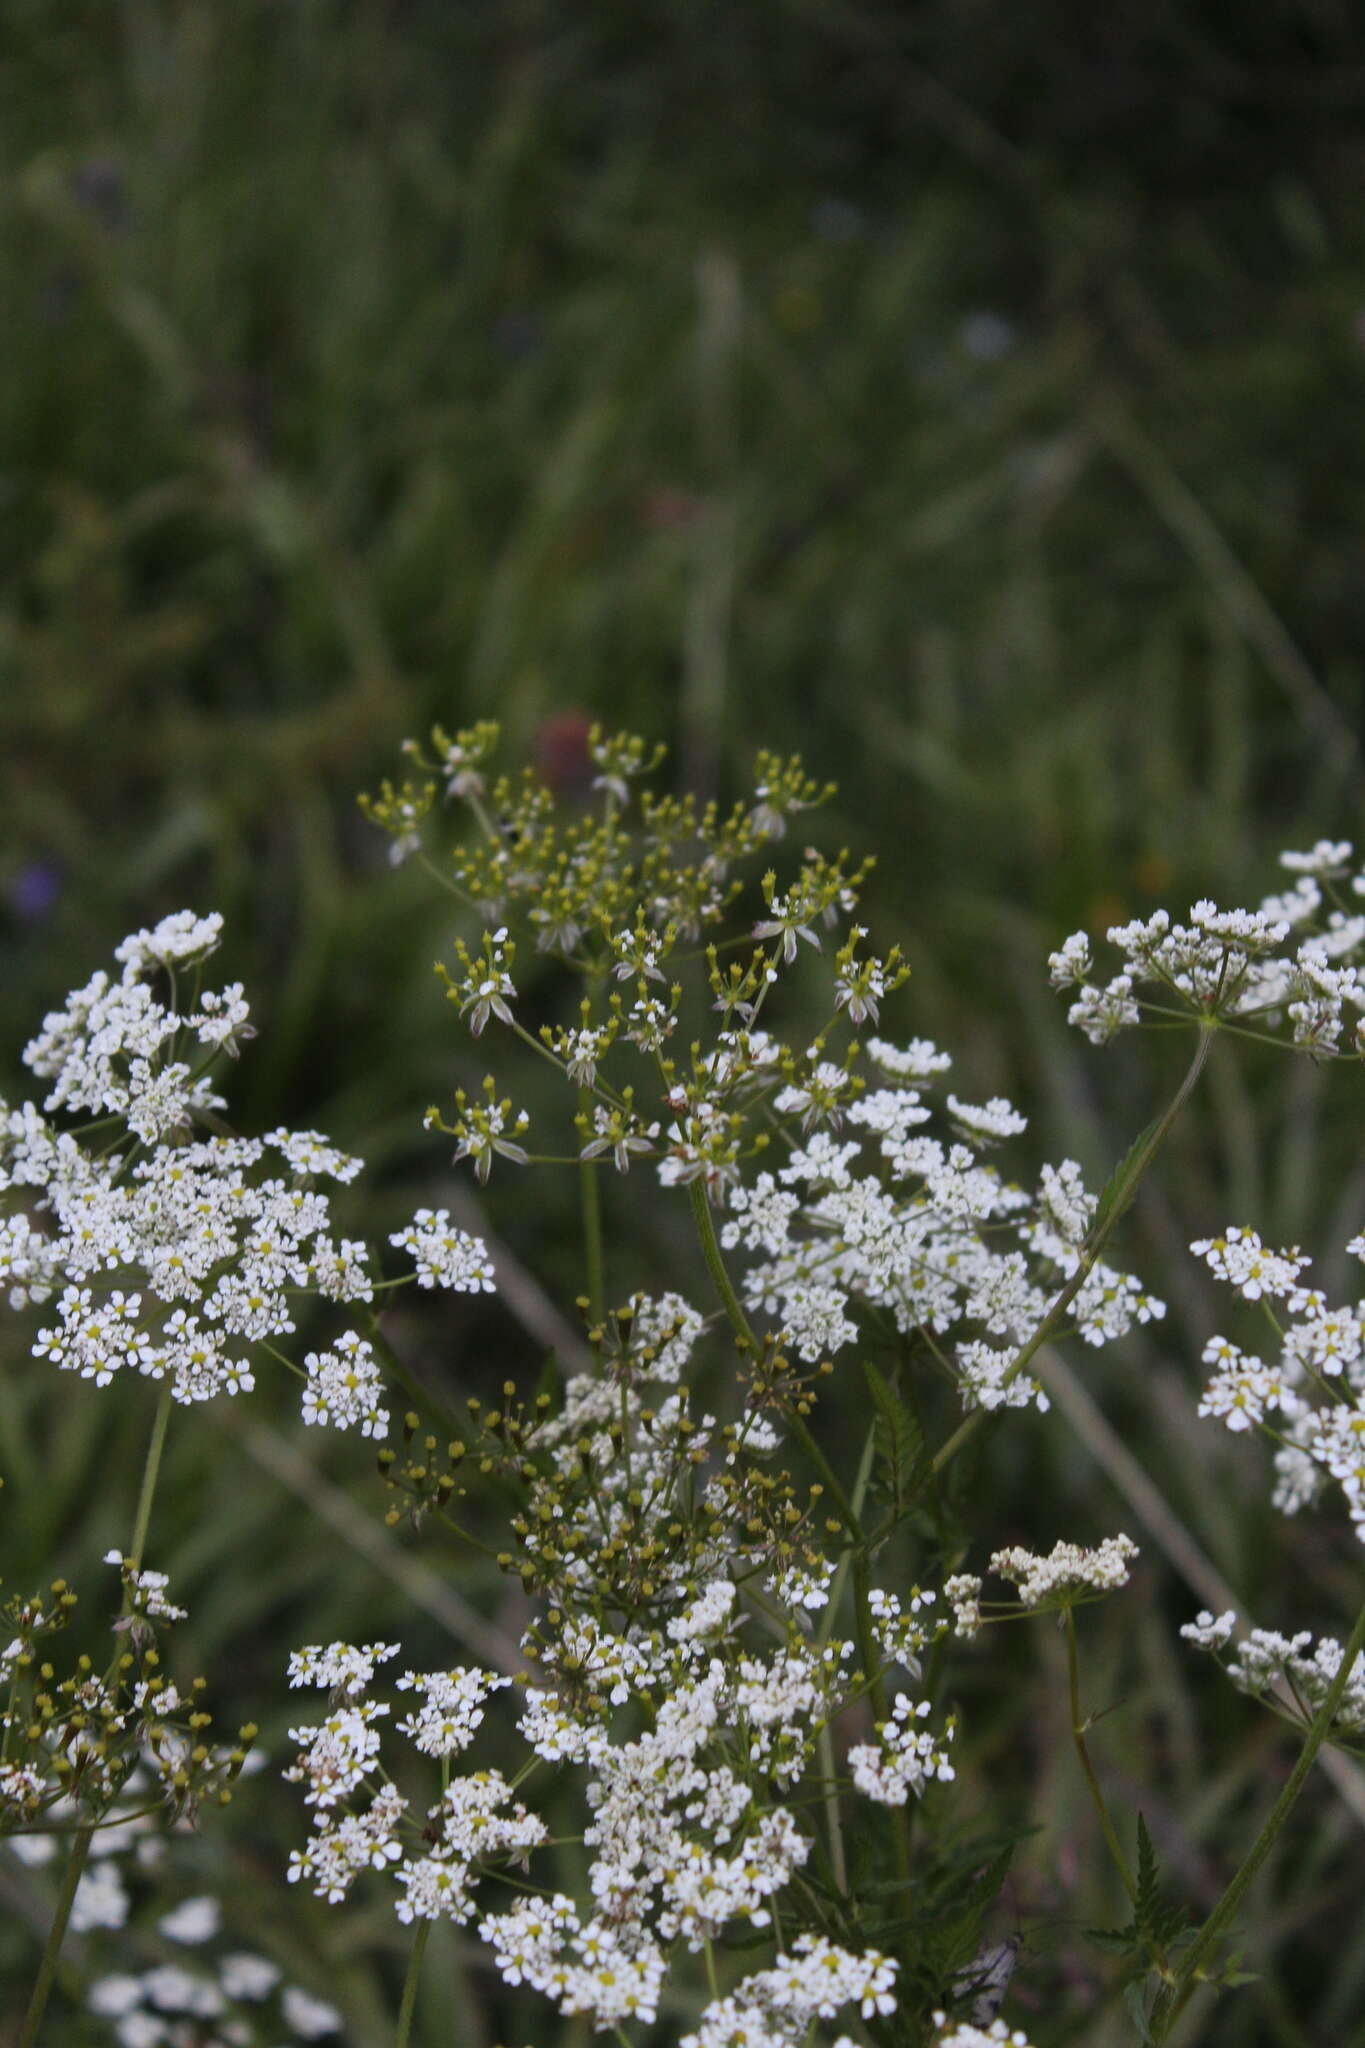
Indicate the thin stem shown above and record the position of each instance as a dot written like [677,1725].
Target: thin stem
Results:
[824,1743]
[47,1968]
[405,2010]
[592,1223]
[715,1264]
[1174,1999]
[150,1471]
[1129,1179]
[1078,1727]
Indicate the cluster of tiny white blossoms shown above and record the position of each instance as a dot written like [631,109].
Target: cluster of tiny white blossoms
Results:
[778,2008]
[1273,1667]
[691,1703]
[689,1837]
[173,1250]
[966,2034]
[1308,1397]
[1298,958]
[905,1757]
[1068,1575]
[927,1232]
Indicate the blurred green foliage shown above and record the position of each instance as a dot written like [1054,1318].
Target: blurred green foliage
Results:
[968,395]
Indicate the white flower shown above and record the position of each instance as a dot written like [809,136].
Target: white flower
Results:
[994,1119]
[446,1256]
[344,1389]
[339,1667]
[311,2018]
[1240,1258]
[193,1921]
[986,1382]
[1069,966]
[905,1758]
[919,1061]
[177,938]
[434,1888]
[247,1976]
[451,1709]
[1101,1012]
[1207,1632]
[814,1322]
[1330,858]
[101,1899]
[1067,1571]
[967,2034]
[115,1995]
[666,1329]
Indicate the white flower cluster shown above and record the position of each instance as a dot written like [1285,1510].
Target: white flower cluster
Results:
[172,1253]
[1068,1572]
[1266,1660]
[685,1839]
[902,1635]
[924,1232]
[1311,1399]
[344,1389]
[1236,962]
[966,2034]
[476,1821]
[451,1709]
[1239,1257]
[778,2008]
[905,1757]
[148,1590]
[444,1255]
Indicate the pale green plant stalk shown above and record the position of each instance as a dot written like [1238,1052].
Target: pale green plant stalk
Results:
[1079,1725]
[47,1966]
[410,1983]
[592,1223]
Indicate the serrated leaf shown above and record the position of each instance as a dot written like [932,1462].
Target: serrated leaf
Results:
[901,1449]
[1119,1189]
[1147,1904]
[1117,1941]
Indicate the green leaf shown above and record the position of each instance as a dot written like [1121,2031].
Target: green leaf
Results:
[1148,1902]
[903,1455]
[1122,1184]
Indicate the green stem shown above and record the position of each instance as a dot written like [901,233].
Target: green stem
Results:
[47,1968]
[824,1744]
[1126,1185]
[1078,1728]
[405,2010]
[592,1223]
[715,1265]
[150,1471]
[1174,1999]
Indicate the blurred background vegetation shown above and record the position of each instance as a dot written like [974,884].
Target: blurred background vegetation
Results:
[967,395]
